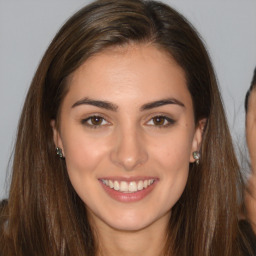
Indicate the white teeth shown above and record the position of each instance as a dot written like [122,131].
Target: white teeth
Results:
[140,185]
[116,185]
[132,186]
[111,184]
[128,187]
[124,186]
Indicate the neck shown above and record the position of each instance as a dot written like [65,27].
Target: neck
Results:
[148,241]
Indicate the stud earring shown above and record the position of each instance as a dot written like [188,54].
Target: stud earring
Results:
[196,156]
[59,152]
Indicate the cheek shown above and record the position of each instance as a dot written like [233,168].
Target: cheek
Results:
[84,153]
[173,163]
[171,156]
[173,151]
[84,156]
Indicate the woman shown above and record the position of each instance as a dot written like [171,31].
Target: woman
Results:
[127,96]
[250,195]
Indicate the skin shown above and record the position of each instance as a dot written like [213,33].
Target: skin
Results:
[129,143]
[250,195]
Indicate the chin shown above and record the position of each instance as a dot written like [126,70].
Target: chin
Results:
[134,221]
[132,226]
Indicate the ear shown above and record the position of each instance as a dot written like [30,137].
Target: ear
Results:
[197,140]
[56,136]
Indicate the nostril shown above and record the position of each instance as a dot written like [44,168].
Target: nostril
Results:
[129,153]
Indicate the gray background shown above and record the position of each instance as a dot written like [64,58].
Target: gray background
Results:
[228,28]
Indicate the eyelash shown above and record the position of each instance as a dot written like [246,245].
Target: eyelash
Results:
[94,126]
[166,121]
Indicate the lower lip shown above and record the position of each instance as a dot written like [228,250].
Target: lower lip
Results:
[128,197]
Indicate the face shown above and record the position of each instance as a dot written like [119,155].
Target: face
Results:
[127,132]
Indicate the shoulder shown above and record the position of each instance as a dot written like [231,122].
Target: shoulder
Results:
[247,238]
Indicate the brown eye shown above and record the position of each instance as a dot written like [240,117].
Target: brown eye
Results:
[159,120]
[96,120]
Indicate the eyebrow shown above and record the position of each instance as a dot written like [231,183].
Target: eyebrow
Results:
[160,103]
[113,107]
[97,103]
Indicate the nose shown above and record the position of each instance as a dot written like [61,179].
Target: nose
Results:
[129,150]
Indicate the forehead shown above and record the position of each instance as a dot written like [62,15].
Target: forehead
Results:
[133,71]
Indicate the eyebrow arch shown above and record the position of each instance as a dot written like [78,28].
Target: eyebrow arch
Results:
[97,103]
[160,103]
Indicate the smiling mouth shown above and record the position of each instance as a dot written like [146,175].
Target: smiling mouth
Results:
[128,187]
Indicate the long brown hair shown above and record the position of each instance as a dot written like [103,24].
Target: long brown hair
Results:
[44,215]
